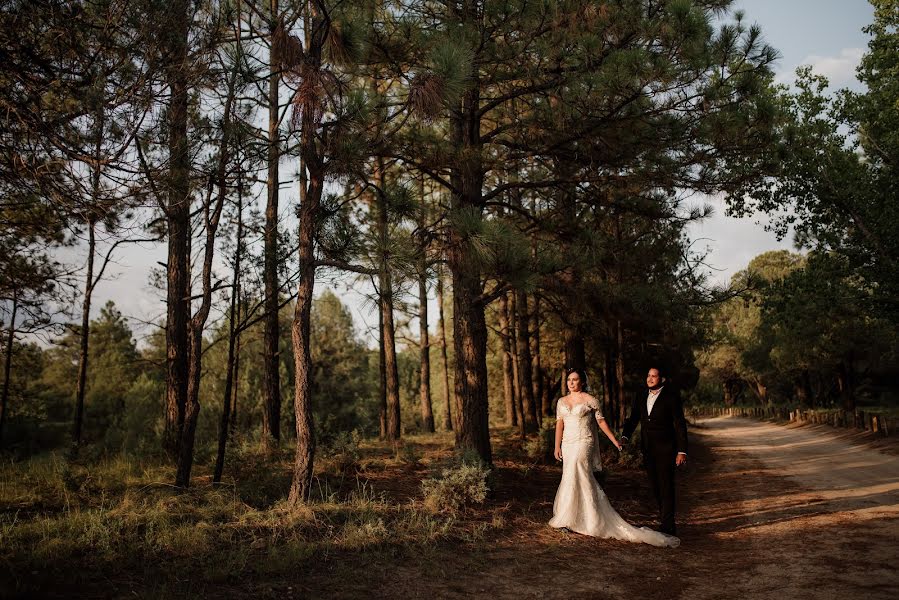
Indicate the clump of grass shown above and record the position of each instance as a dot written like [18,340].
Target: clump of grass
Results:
[457,486]
[408,454]
[341,454]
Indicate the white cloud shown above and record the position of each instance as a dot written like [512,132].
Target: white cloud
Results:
[839,69]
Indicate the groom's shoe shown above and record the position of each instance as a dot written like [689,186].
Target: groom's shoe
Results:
[668,530]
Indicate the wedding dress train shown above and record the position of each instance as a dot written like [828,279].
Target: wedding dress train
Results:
[580,504]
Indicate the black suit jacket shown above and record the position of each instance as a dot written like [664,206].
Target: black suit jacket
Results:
[665,428]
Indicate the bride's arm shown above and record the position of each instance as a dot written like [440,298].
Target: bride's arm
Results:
[606,430]
[560,425]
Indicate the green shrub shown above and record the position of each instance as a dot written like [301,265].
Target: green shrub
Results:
[456,487]
[540,448]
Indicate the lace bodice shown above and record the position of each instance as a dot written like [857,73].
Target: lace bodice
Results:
[577,419]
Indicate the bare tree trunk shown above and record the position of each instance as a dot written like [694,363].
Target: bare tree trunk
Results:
[211,219]
[310,199]
[441,326]
[271,380]
[427,410]
[524,362]
[508,374]
[382,376]
[7,366]
[388,330]
[178,226]
[85,325]
[233,316]
[312,181]
[516,367]
[609,389]
[540,403]
[846,385]
[619,371]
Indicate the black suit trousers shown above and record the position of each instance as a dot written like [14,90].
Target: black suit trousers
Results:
[659,462]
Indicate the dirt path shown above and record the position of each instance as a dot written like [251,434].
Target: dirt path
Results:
[788,512]
[766,511]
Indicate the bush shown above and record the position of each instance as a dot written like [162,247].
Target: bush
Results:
[457,486]
[540,448]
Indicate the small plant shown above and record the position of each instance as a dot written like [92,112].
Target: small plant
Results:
[457,486]
[408,454]
[342,452]
[540,448]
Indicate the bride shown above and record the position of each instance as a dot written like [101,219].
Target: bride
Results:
[581,505]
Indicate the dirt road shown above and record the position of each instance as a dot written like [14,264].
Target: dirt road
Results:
[786,512]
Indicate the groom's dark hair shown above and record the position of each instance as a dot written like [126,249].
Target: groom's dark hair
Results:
[663,372]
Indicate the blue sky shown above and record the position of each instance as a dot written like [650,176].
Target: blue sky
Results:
[824,33]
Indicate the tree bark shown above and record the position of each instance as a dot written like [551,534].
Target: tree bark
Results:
[441,326]
[7,366]
[427,410]
[382,375]
[609,389]
[524,362]
[619,371]
[388,330]
[312,181]
[85,324]
[508,374]
[271,376]
[233,316]
[178,224]
[846,385]
[541,403]
[310,199]
[517,395]
[211,218]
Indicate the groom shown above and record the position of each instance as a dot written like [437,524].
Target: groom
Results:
[664,440]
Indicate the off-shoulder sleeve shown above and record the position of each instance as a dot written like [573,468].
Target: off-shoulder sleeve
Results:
[594,404]
[558,406]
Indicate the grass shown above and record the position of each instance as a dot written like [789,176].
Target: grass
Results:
[117,523]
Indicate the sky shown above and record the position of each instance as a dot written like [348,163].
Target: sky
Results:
[826,34]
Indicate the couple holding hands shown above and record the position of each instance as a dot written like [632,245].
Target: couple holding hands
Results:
[581,505]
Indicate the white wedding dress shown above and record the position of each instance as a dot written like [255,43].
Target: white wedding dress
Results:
[580,504]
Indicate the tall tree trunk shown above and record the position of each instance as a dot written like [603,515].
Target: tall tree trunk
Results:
[542,405]
[382,375]
[388,330]
[608,389]
[7,366]
[804,389]
[508,374]
[233,316]
[441,326]
[312,181]
[271,376]
[469,323]
[524,362]
[619,371]
[85,324]
[517,394]
[211,218]
[310,199]
[178,225]
[241,309]
[846,384]
[575,355]
[427,410]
